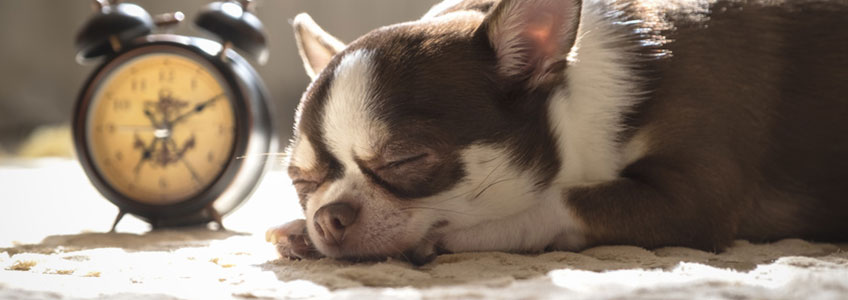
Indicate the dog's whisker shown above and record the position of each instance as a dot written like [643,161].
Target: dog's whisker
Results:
[438,209]
[400,252]
[491,185]
[492,171]
[266,154]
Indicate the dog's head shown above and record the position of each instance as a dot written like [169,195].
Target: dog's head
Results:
[422,128]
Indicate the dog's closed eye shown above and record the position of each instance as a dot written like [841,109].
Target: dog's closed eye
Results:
[305,186]
[401,161]
[305,182]
[406,174]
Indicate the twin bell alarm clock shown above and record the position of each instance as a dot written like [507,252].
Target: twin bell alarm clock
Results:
[173,129]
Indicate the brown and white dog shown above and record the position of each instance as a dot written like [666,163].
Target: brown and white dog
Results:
[531,125]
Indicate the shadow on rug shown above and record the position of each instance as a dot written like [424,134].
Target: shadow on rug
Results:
[463,268]
[199,263]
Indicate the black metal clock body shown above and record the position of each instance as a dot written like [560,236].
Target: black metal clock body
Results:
[160,144]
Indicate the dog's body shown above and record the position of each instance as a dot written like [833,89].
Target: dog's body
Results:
[551,124]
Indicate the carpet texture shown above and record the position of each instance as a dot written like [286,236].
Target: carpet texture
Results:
[53,245]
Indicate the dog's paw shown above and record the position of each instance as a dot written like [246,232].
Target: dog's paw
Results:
[292,241]
[421,256]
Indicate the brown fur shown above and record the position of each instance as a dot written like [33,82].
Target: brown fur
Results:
[746,133]
[743,118]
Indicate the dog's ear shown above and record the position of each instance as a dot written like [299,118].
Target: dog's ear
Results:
[315,45]
[532,38]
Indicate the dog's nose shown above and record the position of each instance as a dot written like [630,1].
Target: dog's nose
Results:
[331,220]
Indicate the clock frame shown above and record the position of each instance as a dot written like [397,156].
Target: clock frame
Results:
[253,135]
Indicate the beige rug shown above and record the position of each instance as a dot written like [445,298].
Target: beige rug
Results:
[52,245]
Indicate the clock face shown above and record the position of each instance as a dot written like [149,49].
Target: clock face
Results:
[161,128]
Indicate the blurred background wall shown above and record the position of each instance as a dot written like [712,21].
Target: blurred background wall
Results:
[39,78]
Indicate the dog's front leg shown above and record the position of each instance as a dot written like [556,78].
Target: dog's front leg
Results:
[657,202]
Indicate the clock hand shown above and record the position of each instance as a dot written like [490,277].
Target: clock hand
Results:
[146,151]
[135,128]
[197,109]
[180,156]
[149,115]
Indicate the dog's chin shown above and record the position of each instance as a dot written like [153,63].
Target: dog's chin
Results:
[421,251]
[419,255]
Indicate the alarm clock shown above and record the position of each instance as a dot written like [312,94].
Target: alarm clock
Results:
[173,129]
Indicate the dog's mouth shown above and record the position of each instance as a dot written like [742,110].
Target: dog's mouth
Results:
[418,256]
[368,247]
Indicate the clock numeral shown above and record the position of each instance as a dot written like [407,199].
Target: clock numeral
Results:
[163,183]
[121,105]
[210,156]
[111,128]
[194,84]
[119,156]
[166,75]
[138,85]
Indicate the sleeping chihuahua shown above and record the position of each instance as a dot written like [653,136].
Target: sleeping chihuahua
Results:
[532,125]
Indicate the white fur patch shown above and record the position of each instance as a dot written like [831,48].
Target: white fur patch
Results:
[545,224]
[439,8]
[587,115]
[350,128]
[496,207]
[302,155]
[636,148]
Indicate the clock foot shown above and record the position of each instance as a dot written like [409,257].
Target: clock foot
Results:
[118,218]
[216,216]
